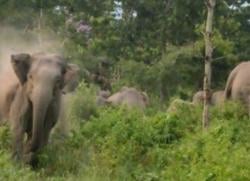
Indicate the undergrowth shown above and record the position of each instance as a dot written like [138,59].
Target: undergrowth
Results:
[117,144]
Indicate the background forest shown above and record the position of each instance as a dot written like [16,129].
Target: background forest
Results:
[157,47]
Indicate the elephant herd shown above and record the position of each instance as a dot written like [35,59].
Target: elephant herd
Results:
[34,90]
[237,88]
[33,98]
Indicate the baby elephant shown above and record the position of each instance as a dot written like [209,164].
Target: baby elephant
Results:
[216,98]
[198,98]
[32,99]
[129,97]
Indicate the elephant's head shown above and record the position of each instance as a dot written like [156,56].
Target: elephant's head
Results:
[43,78]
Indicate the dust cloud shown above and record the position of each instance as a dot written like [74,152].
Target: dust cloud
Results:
[14,41]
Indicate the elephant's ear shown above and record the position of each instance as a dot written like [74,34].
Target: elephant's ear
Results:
[21,64]
[71,78]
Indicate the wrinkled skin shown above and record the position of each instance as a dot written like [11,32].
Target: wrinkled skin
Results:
[238,84]
[129,97]
[32,100]
[217,97]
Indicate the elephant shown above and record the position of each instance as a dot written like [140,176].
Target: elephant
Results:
[217,97]
[101,98]
[198,98]
[31,99]
[238,84]
[72,80]
[7,93]
[129,97]
[62,127]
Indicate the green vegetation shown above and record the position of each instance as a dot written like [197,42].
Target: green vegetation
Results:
[120,145]
[157,47]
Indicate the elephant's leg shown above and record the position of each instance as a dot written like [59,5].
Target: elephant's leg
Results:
[18,135]
[61,128]
[19,113]
[29,157]
[50,121]
[46,136]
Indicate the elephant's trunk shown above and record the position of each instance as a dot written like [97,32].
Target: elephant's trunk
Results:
[41,100]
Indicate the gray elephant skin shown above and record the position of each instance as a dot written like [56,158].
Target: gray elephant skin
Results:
[101,98]
[30,101]
[129,97]
[217,97]
[198,98]
[238,84]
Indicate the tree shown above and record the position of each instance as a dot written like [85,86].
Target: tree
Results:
[208,59]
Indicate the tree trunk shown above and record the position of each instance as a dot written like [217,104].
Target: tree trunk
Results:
[208,59]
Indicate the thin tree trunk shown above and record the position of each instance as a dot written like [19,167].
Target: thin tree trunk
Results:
[208,59]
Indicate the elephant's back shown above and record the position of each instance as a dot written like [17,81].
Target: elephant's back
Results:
[198,97]
[115,98]
[133,98]
[241,82]
[217,97]
[129,97]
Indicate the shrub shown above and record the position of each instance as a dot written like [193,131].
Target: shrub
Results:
[83,103]
[121,144]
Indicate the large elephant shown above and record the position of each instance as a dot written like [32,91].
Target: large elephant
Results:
[31,100]
[238,84]
[129,97]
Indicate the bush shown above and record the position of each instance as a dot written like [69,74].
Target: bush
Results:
[83,103]
[121,144]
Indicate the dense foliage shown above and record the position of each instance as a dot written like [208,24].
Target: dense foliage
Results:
[115,145]
[163,38]
[155,46]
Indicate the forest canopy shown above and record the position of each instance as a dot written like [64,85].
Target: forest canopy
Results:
[145,42]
